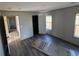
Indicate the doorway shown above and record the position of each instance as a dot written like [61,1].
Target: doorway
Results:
[11,24]
[3,36]
[35,24]
[12,29]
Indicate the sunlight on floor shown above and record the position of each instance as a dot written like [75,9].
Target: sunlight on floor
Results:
[13,36]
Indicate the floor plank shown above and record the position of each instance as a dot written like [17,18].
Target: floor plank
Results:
[20,47]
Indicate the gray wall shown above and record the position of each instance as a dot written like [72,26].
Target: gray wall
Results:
[64,21]
[26,26]
[25,22]
[1,47]
[42,25]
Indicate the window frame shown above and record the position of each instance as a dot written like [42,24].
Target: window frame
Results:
[49,22]
[75,27]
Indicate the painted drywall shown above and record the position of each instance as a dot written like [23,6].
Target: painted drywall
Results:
[64,21]
[26,26]
[1,47]
[62,25]
[57,24]
[42,23]
[25,20]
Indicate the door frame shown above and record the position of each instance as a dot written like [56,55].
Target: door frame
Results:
[3,37]
[35,24]
[6,25]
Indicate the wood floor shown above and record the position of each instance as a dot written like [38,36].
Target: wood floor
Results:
[20,47]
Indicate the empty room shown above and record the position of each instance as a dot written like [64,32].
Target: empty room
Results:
[39,28]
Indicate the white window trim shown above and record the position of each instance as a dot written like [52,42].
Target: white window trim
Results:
[76,36]
[49,22]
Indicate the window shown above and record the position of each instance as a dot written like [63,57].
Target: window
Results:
[48,23]
[76,31]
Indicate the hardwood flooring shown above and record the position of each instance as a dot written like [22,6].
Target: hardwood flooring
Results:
[20,47]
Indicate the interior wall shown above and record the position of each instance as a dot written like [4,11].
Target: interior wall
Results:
[57,23]
[64,21]
[25,20]
[42,23]
[1,47]
[26,26]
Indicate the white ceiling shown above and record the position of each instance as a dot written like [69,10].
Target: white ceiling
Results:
[35,6]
